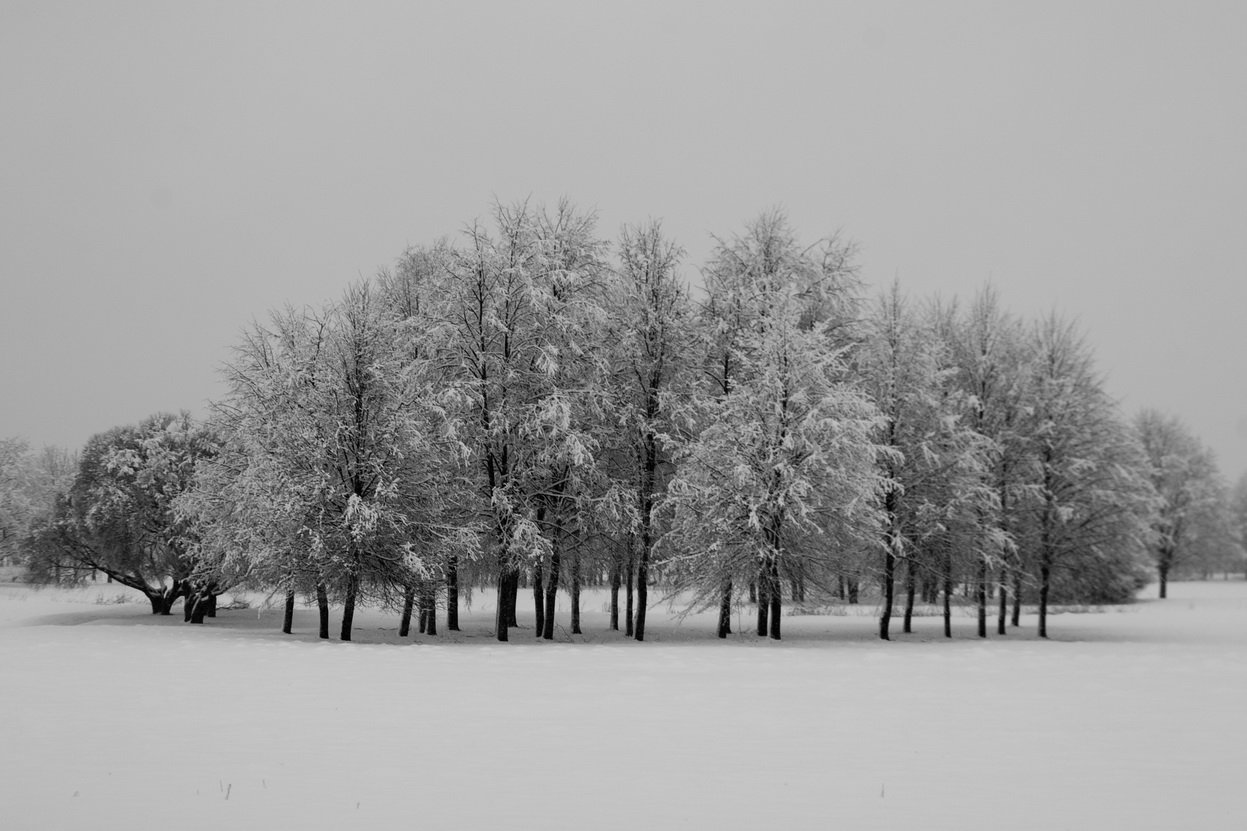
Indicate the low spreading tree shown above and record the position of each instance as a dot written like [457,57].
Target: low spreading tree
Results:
[119,517]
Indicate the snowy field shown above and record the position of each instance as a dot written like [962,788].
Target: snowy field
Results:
[1131,718]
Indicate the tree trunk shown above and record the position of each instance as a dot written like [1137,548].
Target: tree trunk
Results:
[409,603]
[911,588]
[948,594]
[430,609]
[628,598]
[197,603]
[642,588]
[854,590]
[552,590]
[177,589]
[1043,599]
[513,597]
[539,603]
[1017,597]
[1004,606]
[322,605]
[500,621]
[981,599]
[725,611]
[776,592]
[348,607]
[452,594]
[889,579]
[645,504]
[576,597]
[763,605]
[616,580]
[287,620]
[1162,571]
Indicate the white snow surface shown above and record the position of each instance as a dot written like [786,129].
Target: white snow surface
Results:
[1130,717]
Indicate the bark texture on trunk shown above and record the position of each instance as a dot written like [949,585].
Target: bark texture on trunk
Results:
[776,592]
[642,593]
[552,592]
[500,620]
[763,606]
[911,589]
[628,611]
[322,606]
[981,599]
[948,594]
[452,595]
[889,581]
[1044,574]
[1017,598]
[539,603]
[575,595]
[615,581]
[513,597]
[1003,613]
[287,620]
[348,607]
[409,603]
[430,610]
[725,610]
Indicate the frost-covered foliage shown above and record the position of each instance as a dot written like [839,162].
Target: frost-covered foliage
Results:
[119,516]
[651,375]
[778,471]
[30,483]
[1086,505]
[15,508]
[1190,494]
[522,312]
[527,402]
[935,467]
[339,460]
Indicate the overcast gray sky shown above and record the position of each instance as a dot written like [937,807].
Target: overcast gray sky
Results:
[169,171]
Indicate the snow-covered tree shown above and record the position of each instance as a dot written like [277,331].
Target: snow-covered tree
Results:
[1086,509]
[652,360]
[30,483]
[935,464]
[519,305]
[338,464]
[779,469]
[15,507]
[1237,508]
[1184,474]
[988,353]
[119,517]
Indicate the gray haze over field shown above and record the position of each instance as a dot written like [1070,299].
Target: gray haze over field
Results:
[170,171]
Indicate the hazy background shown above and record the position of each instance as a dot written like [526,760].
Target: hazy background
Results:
[169,171]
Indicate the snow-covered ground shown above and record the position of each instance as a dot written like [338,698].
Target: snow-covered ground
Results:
[111,718]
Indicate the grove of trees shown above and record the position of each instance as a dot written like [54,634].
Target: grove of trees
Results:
[531,405]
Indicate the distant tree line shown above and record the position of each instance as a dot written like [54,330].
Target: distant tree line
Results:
[532,407]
